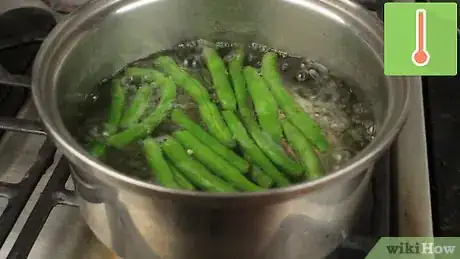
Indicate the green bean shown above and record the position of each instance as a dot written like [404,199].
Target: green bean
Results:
[304,150]
[191,85]
[275,152]
[293,111]
[208,110]
[249,147]
[265,142]
[265,105]
[261,178]
[117,105]
[180,118]
[181,179]
[258,176]
[197,173]
[221,84]
[147,125]
[138,106]
[215,123]
[154,157]
[235,69]
[214,162]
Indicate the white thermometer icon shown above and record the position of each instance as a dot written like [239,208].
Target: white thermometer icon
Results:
[420,56]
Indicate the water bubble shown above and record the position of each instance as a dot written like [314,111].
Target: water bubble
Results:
[335,126]
[328,94]
[330,83]
[228,58]
[306,64]
[313,97]
[357,133]
[324,120]
[341,155]
[369,126]
[283,54]
[251,57]
[301,76]
[185,63]
[344,96]
[305,92]
[195,63]
[189,152]
[314,74]
[358,108]
[105,133]
[356,119]
[93,97]
[320,68]
[93,131]
[285,66]
[340,124]
[342,106]
[221,45]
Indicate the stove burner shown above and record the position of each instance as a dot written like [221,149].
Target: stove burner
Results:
[54,194]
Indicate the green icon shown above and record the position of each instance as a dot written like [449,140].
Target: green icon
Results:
[420,39]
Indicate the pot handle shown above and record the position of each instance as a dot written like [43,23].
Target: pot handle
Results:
[118,217]
[86,190]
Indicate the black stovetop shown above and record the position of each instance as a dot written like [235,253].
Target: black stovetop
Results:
[442,107]
[442,113]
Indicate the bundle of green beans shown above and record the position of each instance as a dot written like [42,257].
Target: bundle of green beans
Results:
[237,144]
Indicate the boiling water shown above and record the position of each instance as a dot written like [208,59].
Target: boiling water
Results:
[335,104]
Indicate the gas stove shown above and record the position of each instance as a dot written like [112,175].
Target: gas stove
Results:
[38,215]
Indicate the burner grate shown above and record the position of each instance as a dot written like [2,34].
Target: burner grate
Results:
[53,194]
[18,194]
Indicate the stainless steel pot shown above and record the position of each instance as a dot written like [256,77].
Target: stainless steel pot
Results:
[142,220]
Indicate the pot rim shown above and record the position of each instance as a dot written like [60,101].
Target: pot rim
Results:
[81,158]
